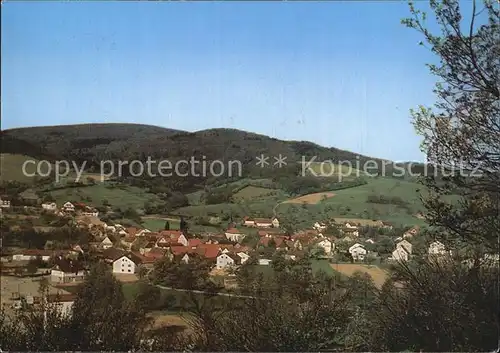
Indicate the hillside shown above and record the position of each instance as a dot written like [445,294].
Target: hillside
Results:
[126,141]
[341,191]
[93,143]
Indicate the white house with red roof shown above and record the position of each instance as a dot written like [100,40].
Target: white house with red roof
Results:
[234,234]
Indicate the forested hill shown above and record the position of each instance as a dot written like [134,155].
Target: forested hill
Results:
[95,142]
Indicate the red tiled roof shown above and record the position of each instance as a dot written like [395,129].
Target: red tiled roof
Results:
[132,231]
[264,232]
[156,253]
[233,231]
[194,242]
[179,250]
[171,233]
[211,250]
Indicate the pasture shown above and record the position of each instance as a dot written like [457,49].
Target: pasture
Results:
[353,203]
[254,192]
[115,195]
[12,168]
[155,224]
[311,199]
[341,172]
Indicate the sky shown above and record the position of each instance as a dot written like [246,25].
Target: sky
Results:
[340,74]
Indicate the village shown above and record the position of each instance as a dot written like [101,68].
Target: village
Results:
[130,251]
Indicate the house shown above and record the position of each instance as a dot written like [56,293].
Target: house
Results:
[351,231]
[33,254]
[410,233]
[248,222]
[142,232]
[111,254]
[89,211]
[269,232]
[319,226]
[4,203]
[127,264]
[406,245]
[387,225]
[264,222]
[350,225]
[327,246]
[400,254]
[67,271]
[209,251]
[106,243]
[172,237]
[68,207]
[264,262]
[279,242]
[228,259]
[243,256]
[49,206]
[147,248]
[358,252]
[234,234]
[437,248]
[29,196]
[194,242]
[156,253]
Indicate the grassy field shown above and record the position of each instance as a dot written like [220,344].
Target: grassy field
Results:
[12,168]
[336,171]
[379,275]
[316,265]
[254,192]
[156,224]
[311,199]
[352,203]
[117,196]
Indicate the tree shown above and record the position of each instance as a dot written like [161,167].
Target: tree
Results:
[32,266]
[463,133]
[460,137]
[167,225]
[101,304]
[183,225]
[408,317]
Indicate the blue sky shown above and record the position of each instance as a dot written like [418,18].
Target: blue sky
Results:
[340,74]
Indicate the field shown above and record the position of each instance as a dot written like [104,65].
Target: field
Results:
[337,171]
[117,196]
[353,203]
[11,168]
[379,275]
[254,192]
[312,199]
[157,223]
